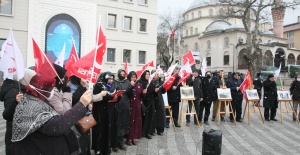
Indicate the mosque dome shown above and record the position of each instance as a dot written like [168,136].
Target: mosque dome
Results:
[200,3]
[218,25]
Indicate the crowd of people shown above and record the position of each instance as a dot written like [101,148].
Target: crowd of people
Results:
[41,113]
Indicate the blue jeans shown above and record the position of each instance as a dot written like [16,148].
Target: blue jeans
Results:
[197,106]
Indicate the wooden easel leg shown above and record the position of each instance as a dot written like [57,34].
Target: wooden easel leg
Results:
[172,120]
[245,110]
[261,116]
[286,107]
[280,111]
[218,113]
[198,123]
[181,113]
[232,112]
[249,113]
[291,104]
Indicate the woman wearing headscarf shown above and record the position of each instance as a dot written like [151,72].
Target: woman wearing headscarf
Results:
[38,128]
[136,101]
[160,111]
[149,104]
[62,98]
[74,83]
[103,112]
[122,115]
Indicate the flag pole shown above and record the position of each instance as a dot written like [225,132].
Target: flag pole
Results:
[96,49]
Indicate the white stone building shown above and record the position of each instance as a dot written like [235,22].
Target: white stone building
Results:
[222,42]
[129,26]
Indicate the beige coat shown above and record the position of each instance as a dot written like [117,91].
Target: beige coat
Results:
[61,102]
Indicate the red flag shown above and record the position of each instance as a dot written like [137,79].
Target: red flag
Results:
[168,83]
[189,58]
[140,72]
[126,67]
[83,68]
[173,33]
[71,60]
[185,72]
[43,65]
[246,83]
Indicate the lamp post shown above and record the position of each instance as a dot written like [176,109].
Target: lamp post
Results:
[233,56]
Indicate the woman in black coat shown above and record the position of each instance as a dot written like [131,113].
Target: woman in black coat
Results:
[160,111]
[270,98]
[8,93]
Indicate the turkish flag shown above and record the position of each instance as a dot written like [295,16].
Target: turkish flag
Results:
[168,83]
[71,60]
[246,83]
[126,67]
[185,72]
[140,72]
[83,68]
[189,58]
[172,34]
[43,65]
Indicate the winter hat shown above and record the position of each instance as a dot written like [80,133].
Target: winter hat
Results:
[60,71]
[270,76]
[28,74]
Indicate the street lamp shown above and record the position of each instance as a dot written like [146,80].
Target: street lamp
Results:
[234,49]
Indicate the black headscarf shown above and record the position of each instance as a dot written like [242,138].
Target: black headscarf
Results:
[143,79]
[61,73]
[121,78]
[104,77]
[75,80]
[131,74]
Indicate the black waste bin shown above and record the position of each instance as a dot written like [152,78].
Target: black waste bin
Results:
[212,142]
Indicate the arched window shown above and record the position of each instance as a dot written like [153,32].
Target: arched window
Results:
[226,58]
[196,30]
[242,64]
[199,14]
[196,47]
[268,58]
[291,59]
[186,32]
[193,15]
[60,30]
[279,58]
[211,12]
[192,31]
[226,42]
[208,44]
[208,59]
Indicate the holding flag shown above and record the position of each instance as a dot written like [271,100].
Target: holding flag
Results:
[185,72]
[277,72]
[140,72]
[246,84]
[169,82]
[203,66]
[11,58]
[168,74]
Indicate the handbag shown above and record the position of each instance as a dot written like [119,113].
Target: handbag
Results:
[86,123]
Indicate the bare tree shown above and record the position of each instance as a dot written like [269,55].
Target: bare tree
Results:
[167,23]
[253,13]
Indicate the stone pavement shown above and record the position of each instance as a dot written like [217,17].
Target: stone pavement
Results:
[257,138]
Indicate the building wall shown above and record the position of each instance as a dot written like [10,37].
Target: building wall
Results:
[296,29]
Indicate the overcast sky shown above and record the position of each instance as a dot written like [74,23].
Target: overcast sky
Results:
[164,6]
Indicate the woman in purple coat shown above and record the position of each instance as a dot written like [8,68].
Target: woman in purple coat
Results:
[135,131]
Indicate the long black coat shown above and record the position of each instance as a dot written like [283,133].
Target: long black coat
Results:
[160,111]
[207,90]
[232,84]
[295,90]
[270,94]
[8,94]
[197,85]
[174,95]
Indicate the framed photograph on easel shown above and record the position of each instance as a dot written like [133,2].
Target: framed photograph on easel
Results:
[252,94]
[187,93]
[284,95]
[224,93]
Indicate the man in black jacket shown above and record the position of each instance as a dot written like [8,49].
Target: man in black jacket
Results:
[174,99]
[195,81]
[258,84]
[237,96]
[8,93]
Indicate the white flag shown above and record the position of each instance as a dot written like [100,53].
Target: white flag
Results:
[168,74]
[158,71]
[11,60]
[61,58]
[168,41]
[277,72]
[185,70]
[203,66]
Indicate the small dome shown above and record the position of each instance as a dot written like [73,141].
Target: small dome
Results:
[199,3]
[267,32]
[218,25]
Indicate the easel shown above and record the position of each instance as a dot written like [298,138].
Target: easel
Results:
[248,107]
[188,110]
[223,101]
[288,101]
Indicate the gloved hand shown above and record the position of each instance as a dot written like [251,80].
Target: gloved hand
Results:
[66,89]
